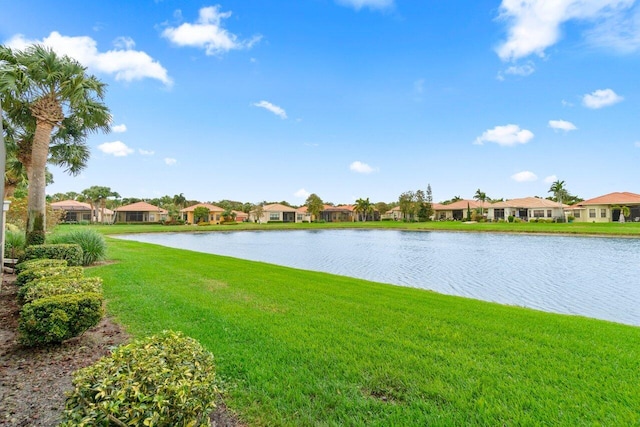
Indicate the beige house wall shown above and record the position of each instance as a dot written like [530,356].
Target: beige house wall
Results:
[592,213]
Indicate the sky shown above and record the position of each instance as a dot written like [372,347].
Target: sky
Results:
[271,100]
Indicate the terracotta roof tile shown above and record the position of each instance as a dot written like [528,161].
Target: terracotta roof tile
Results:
[619,198]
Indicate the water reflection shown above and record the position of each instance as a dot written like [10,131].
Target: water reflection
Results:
[595,277]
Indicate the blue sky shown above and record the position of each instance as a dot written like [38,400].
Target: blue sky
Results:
[273,100]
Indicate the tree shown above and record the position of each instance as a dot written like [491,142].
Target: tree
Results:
[179,200]
[229,215]
[201,214]
[480,196]
[407,205]
[559,191]
[364,207]
[52,89]
[314,205]
[257,211]
[429,201]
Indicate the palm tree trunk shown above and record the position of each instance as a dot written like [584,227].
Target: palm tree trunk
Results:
[37,184]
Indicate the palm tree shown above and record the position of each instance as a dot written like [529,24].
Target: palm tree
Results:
[624,211]
[53,89]
[364,207]
[558,190]
[480,196]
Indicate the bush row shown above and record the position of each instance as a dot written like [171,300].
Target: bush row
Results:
[164,380]
[59,302]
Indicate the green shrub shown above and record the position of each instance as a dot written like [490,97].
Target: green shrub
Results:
[31,274]
[163,380]
[14,242]
[72,253]
[58,318]
[94,247]
[48,287]
[40,263]
[510,218]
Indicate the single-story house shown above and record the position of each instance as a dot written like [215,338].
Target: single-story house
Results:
[342,213]
[526,209]
[277,212]
[607,208]
[140,212]
[215,213]
[392,214]
[72,211]
[458,209]
[241,216]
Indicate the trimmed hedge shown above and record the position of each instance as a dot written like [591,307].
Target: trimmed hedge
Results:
[40,263]
[71,252]
[57,318]
[48,287]
[31,274]
[163,380]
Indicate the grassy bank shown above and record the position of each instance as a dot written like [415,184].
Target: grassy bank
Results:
[606,229]
[303,348]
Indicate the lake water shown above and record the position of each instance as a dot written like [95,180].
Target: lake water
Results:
[589,276]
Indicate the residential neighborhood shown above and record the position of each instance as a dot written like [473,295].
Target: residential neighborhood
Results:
[611,207]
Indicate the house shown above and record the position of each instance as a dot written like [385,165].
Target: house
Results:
[392,214]
[526,209]
[72,211]
[277,212]
[342,213]
[140,212]
[215,213]
[606,208]
[458,210]
[241,216]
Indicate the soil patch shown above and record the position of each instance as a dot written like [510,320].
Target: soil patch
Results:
[33,381]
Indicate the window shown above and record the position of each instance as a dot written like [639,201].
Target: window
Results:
[152,217]
[603,213]
[217,217]
[497,213]
[274,216]
[549,214]
[134,216]
[576,214]
[592,213]
[300,217]
[538,213]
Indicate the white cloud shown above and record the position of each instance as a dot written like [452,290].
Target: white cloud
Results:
[637,144]
[508,135]
[119,128]
[360,167]
[566,103]
[115,148]
[620,31]
[146,152]
[170,161]
[521,70]
[372,4]
[550,179]
[524,176]
[601,98]
[207,33]
[534,25]
[302,193]
[271,107]
[562,125]
[123,62]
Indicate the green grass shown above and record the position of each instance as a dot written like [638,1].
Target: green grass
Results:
[302,348]
[631,229]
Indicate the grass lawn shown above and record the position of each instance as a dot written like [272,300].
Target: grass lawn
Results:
[303,348]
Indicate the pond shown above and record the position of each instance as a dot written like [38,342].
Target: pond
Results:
[590,276]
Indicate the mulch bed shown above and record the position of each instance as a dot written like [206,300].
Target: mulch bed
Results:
[33,381]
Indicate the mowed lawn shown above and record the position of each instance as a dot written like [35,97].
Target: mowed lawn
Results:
[303,348]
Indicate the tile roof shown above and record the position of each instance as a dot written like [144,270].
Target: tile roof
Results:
[461,204]
[212,208]
[277,207]
[71,205]
[141,207]
[618,198]
[527,203]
